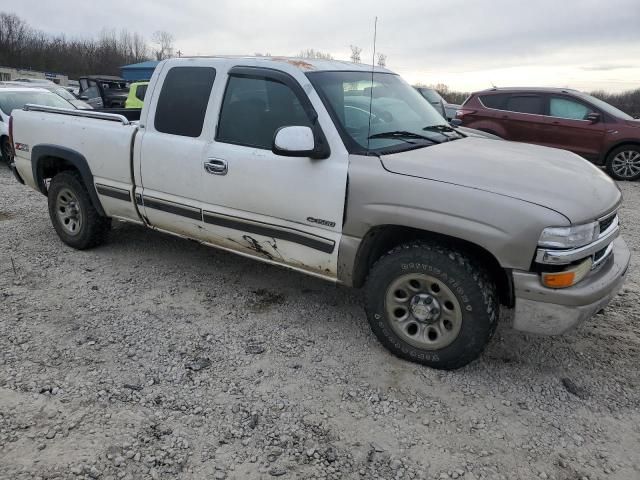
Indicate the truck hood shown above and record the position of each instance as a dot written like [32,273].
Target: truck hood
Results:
[553,178]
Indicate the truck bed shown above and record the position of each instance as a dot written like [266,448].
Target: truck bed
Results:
[131,114]
[103,138]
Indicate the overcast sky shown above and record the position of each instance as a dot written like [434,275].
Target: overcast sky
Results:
[467,44]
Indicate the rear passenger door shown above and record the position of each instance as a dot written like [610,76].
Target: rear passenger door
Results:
[171,149]
[523,117]
[285,210]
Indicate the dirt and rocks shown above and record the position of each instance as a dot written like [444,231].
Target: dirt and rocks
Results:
[153,357]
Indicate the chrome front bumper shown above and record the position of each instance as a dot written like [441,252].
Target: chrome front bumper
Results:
[551,312]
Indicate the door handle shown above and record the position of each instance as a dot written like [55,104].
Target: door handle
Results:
[216,166]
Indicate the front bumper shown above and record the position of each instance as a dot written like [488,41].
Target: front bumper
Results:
[551,312]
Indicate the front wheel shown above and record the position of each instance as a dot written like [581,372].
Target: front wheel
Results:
[624,163]
[431,305]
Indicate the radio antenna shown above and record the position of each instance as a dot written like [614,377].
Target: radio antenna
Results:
[373,67]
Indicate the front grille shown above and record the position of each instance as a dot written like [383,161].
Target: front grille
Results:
[599,254]
[606,223]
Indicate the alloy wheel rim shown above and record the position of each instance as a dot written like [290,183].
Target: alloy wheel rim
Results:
[69,211]
[423,311]
[626,164]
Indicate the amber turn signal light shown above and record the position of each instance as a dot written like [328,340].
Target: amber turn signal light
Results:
[568,277]
[558,280]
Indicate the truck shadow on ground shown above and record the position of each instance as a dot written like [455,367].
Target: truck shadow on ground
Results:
[265,288]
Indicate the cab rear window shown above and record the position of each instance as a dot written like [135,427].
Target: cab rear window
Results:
[183,100]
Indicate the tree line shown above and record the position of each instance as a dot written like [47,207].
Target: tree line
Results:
[24,47]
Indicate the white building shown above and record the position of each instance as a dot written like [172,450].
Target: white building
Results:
[7,74]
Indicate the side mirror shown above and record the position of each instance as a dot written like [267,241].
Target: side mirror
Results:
[294,142]
[593,117]
[83,97]
[455,122]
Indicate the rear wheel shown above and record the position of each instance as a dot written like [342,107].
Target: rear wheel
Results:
[6,150]
[75,219]
[431,305]
[624,163]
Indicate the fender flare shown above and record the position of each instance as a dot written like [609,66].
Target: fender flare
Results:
[40,152]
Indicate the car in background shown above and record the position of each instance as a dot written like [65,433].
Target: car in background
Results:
[74,87]
[69,97]
[447,110]
[54,88]
[16,97]
[137,91]
[36,81]
[560,118]
[104,91]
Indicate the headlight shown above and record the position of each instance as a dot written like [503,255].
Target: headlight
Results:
[569,237]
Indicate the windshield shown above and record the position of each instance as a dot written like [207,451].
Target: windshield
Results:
[400,117]
[10,101]
[607,108]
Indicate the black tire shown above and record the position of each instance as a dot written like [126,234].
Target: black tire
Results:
[456,273]
[92,228]
[5,150]
[616,167]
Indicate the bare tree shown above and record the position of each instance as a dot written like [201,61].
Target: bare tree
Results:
[311,53]
[382,60]
[24,47]
[355,54]
[14,33]
[139,48]
[164,42]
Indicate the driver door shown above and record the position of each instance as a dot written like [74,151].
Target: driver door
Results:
[286,210]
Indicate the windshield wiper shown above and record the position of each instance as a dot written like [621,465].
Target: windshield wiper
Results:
[442,129]
[403,135]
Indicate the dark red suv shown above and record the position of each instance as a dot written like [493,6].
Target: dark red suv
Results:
[559,118]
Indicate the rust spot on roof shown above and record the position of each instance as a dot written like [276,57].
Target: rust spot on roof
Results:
[296,62]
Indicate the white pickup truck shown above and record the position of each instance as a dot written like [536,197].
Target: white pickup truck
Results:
[346,174]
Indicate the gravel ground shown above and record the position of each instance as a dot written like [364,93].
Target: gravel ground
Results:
[155,357]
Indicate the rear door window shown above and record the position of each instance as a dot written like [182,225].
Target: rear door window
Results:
[496,101]
[531,104]
[183,100]
[562,107]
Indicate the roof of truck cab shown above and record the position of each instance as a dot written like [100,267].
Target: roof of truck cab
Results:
[303,64]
